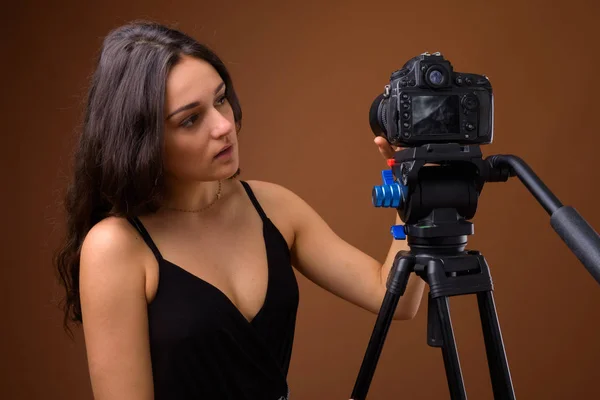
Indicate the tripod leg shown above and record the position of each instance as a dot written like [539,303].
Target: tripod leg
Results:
[434,331]
[496,355]
[396,284]
[453,371]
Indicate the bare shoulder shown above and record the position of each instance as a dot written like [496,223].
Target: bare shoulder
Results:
[111,237]
[282,200]
[273,193]
[282,206]
[111,244]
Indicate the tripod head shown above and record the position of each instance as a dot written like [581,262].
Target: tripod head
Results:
[435,189]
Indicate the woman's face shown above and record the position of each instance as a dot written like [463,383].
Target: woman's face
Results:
[200,141]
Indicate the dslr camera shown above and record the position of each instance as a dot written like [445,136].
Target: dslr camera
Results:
[428,102]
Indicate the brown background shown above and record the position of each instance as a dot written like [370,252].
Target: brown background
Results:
[307,74]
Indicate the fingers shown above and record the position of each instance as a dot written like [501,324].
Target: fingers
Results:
[386,150]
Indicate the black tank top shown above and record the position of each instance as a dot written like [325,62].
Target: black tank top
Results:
[202,346]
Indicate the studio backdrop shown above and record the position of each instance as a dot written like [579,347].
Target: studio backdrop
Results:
[306,74]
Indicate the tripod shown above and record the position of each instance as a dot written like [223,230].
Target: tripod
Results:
[437,193]
[449,271]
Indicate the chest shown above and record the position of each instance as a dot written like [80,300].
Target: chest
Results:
[233,259]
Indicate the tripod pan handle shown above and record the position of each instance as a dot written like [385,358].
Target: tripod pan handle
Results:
[579,236]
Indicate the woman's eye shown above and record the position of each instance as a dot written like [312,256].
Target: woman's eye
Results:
[189,121]
[221,100]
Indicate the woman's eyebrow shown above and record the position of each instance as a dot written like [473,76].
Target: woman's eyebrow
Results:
[193,104]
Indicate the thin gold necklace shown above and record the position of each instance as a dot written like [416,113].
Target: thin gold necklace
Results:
[217,197]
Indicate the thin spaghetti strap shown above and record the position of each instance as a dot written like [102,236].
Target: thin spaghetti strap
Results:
[255,202]
[135,221]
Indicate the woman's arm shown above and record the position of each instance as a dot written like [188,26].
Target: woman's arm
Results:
[342,269]
[335,265]
[113,303]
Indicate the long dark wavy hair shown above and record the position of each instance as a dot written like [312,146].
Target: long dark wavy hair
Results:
[118,166]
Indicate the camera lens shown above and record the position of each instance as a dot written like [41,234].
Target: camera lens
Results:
[378,115]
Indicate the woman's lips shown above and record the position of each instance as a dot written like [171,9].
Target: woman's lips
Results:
[225,152]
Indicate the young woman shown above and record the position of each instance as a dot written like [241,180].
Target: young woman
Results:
[181,273]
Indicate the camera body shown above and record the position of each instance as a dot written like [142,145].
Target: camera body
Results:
[428,102]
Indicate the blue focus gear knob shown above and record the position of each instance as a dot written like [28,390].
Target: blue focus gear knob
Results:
[390,194]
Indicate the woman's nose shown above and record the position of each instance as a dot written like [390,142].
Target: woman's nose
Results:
[221,126]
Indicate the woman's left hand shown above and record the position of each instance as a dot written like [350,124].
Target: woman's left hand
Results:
[385,148]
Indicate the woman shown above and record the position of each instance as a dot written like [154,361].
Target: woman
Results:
[180,273]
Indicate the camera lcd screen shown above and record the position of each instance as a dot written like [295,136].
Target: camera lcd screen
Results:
[435,115]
